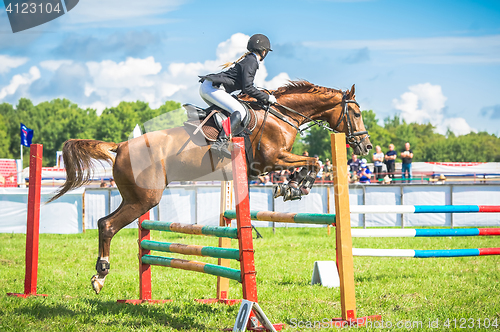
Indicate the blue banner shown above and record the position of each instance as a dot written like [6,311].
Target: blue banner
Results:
[26,135]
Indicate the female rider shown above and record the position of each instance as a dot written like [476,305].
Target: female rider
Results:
[216,88]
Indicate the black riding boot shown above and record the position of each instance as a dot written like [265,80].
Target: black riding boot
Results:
[221,146]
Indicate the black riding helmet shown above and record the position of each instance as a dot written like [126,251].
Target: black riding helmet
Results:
[260,44]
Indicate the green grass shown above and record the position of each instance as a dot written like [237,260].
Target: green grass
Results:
[400,289]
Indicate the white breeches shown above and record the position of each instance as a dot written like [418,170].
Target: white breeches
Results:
[213,96]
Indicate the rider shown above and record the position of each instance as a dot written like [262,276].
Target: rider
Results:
[216,88]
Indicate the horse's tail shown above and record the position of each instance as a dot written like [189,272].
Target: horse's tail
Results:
[78,155]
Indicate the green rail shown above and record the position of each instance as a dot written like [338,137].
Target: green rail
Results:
[228,232]
[302,218]
[185,249]
[201,267]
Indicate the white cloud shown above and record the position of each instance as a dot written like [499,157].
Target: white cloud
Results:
[9,62]
[457,125]
[436,50]
[54,65]
[130,73]
[20,80]
[424,103]
[107,83]
[145,79]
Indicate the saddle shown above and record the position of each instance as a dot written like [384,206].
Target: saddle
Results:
[204,125]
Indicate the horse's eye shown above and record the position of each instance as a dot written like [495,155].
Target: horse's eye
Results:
[357,115]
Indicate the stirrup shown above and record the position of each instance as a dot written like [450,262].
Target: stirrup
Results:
[279,190]
[292,194]
[220,148]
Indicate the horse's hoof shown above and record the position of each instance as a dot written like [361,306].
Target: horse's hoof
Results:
[305,191]
[292,194]
[279,190]
[97,283]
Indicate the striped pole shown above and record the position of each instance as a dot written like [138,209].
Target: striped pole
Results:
[226,202]
[176,227]
[187,249]
[377,232]
[302,218]
[401,209]
[245,240]
[183,264]
[425,253]
[145,292]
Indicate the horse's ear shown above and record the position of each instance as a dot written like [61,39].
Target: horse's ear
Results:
[352,92]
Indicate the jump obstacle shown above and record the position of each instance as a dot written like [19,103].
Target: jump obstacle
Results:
[243,232]
[33,223]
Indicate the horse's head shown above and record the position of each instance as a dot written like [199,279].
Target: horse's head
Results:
[338,108]
[346,117]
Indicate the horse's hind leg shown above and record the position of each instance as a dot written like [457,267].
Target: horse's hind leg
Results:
[108,227]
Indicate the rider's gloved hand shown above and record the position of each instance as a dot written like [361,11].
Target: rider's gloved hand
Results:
[272,99]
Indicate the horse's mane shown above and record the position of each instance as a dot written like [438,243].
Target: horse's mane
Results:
[297,87]
[302,86]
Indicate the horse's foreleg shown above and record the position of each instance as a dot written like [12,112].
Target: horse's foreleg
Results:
[301,181]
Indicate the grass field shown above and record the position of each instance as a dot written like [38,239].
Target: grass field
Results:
[411,293]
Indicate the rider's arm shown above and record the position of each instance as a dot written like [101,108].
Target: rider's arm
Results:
[248,67]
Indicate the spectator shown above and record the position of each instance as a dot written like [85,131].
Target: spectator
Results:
[390,161]
[353,164]
[319,175]
[407,156]
[112,183]
[378,160]
[266,181]
[364,174]
[103,184]
[387,180]
[440,180]
[328,171]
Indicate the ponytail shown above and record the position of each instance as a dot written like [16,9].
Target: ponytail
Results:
[229,64]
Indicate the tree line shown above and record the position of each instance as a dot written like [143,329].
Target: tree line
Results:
[426,144]
[58,120]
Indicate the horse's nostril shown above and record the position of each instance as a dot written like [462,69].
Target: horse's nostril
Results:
[369,146]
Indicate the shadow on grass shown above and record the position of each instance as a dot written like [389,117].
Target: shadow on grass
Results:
[181,316]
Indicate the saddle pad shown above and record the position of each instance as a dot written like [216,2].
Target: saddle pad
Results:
[209,130]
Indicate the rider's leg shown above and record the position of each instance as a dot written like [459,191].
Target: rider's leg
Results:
[224,100]
[219,96]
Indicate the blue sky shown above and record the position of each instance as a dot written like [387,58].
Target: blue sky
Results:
[429,61]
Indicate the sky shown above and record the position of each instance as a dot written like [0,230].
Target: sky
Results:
[427,61]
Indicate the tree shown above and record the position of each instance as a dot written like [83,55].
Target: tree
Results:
[4,139]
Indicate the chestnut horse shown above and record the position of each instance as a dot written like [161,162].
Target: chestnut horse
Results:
[144,166]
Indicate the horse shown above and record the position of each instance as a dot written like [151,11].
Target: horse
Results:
[144,166]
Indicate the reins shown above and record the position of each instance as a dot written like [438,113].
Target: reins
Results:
[344,116]
[350,136]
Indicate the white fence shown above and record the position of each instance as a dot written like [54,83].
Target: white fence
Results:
[199,204]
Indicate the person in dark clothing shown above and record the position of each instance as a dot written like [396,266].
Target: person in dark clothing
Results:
[354,164]
[390,160]
[215,89]
[407,156]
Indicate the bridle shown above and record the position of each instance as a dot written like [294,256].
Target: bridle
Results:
[344,116]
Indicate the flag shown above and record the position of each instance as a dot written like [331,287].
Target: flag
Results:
[26,135]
